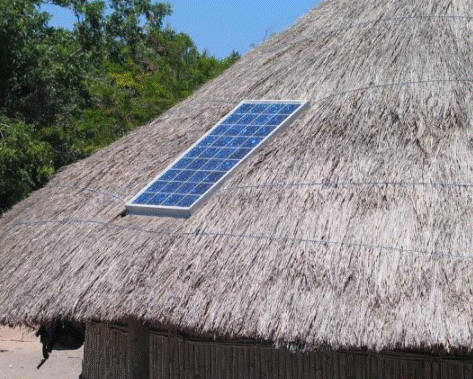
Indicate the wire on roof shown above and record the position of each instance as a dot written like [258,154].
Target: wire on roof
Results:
[350,184]
[339,184]
[359,89]
[432,254]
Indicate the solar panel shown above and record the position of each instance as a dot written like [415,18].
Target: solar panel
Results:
[191,178]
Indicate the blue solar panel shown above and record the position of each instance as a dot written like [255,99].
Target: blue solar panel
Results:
[196,173]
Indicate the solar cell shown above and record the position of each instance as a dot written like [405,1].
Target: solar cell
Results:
[179,189]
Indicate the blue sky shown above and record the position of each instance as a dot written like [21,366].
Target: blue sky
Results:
[221,26]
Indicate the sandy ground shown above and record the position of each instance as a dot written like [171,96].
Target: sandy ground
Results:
[20,353]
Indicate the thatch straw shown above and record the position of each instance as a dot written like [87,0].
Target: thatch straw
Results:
[352,228]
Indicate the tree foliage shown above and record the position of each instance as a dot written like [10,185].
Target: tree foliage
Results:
[66,93]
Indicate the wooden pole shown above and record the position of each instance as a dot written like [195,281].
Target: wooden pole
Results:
[139,351]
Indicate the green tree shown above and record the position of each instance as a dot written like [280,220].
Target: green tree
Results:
[25,161]
[66,93]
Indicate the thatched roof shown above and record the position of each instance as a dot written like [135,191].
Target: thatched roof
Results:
[352,228]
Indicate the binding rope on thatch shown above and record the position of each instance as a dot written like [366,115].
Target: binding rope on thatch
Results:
[432,254]
[349,184]
[327,184]
[349,91]
[400,183]
[342,29]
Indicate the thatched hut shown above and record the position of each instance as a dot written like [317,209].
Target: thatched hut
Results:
[342,249]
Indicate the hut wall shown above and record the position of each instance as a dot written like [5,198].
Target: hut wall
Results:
[121,352]
[106,352]
[175,357]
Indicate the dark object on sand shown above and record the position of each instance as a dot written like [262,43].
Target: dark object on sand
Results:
[60,335]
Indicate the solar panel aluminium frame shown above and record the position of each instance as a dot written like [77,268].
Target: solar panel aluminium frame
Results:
[184,212]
